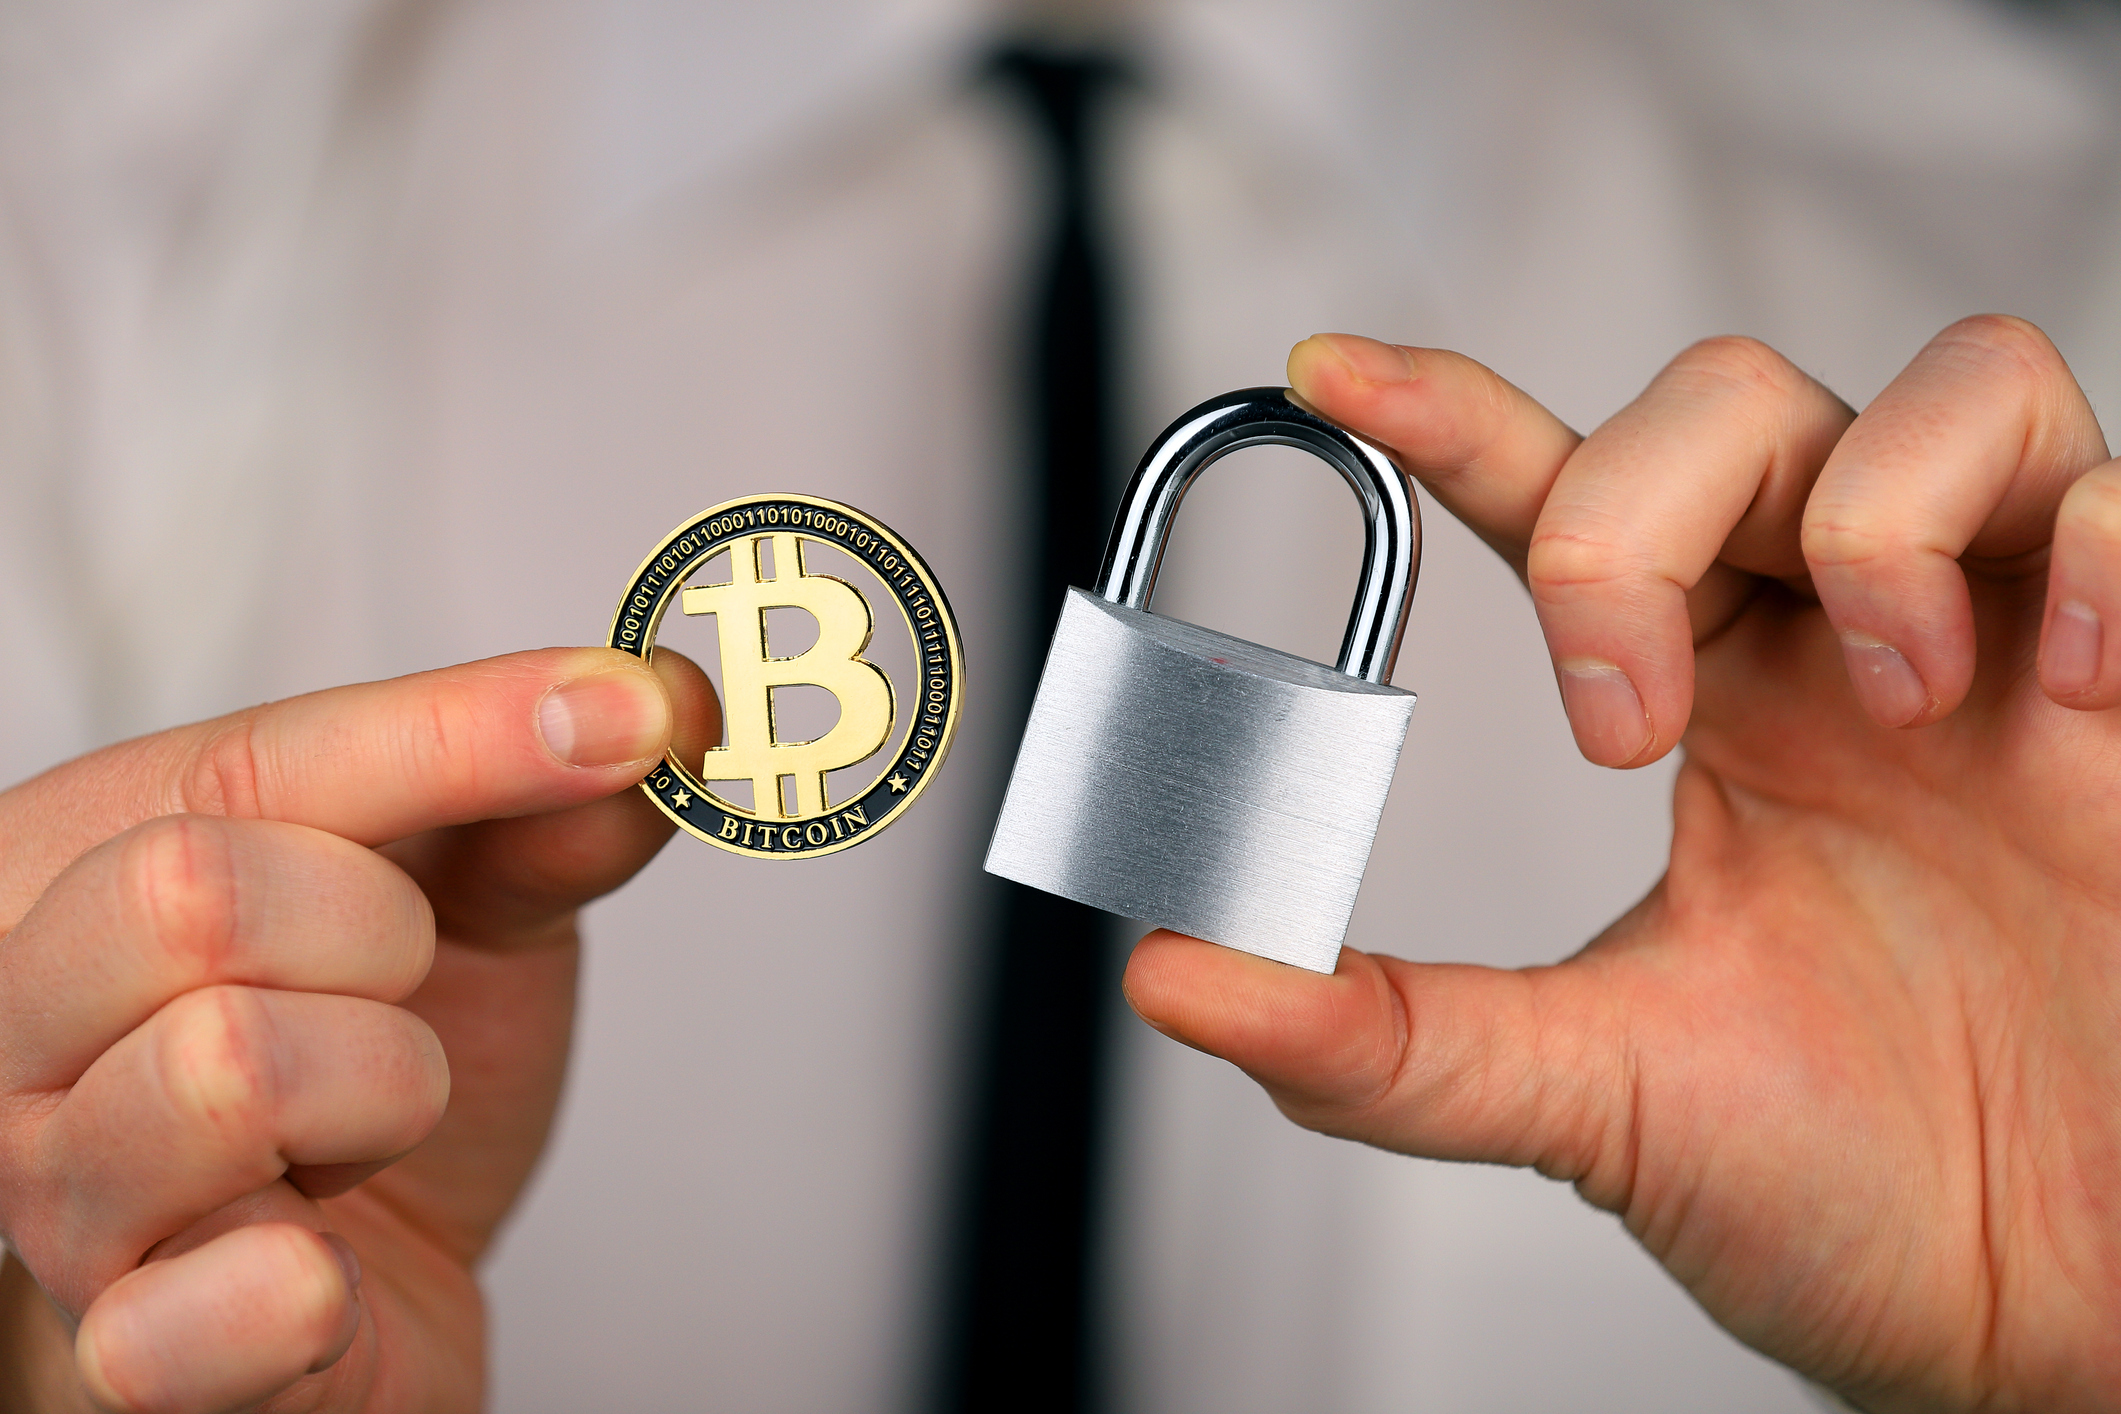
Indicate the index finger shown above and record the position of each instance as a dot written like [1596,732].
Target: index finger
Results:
[1481,446]
[371,763]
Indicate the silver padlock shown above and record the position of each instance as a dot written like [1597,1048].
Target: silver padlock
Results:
[1196,781]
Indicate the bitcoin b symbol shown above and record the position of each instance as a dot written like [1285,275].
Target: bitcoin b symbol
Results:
[749,675]
[807,800]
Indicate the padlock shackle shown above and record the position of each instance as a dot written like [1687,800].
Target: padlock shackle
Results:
[1250,417]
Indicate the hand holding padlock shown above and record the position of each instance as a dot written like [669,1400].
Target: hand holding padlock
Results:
[1197,781]
[1849,1069]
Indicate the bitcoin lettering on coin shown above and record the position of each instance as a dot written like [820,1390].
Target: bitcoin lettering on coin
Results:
[737,563]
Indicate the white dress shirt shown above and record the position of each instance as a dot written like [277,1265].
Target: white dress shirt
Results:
[351,338]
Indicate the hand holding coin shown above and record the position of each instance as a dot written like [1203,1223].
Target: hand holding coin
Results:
[246,966]
[285,998]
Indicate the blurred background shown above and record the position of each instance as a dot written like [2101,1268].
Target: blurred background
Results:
[345,338]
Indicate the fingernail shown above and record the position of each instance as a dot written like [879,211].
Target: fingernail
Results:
[1886,683]
[1371,360]
[2069,659]
[604,720]
[348,1262]
[1606,710]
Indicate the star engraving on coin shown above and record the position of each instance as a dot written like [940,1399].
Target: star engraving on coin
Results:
[757,792]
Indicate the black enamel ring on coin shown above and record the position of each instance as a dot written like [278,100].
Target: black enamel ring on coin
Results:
[767,790]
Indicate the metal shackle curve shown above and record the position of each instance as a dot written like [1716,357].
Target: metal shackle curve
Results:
[1250,417]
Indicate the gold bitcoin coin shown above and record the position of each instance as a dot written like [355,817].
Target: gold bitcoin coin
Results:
[806,797]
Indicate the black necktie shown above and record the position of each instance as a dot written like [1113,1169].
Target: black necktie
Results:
[1019,1332]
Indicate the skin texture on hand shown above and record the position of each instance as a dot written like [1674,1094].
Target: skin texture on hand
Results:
[285,1002]
[1852,1071]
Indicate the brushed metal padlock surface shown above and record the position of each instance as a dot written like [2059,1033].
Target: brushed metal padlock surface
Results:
[1194,780]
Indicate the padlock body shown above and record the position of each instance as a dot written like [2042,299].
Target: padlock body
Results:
[1193,780]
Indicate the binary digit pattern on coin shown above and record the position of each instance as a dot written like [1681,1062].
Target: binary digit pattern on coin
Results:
[796,811]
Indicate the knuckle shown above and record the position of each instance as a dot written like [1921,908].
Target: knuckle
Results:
[1559,562]
[439,745]
[1840,537]
[1486,408]
[226,775]
[2003,345]
[217,1058]
[177,879]
[1735,363]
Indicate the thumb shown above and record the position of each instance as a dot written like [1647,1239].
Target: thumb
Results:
[1441,1061]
